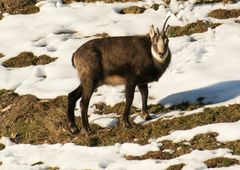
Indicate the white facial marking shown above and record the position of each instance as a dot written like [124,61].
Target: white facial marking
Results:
[160,45]
[156,56]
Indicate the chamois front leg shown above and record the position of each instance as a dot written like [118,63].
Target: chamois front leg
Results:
[129,94]
[72,99]
[144,93]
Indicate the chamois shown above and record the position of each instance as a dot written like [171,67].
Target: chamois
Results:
[129,60]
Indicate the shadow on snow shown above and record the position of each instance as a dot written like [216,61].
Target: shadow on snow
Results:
[215,93]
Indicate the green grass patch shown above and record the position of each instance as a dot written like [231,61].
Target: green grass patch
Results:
[221,162]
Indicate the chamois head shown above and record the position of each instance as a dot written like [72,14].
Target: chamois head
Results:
[159,42]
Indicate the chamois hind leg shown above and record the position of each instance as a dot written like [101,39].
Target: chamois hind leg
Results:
[72,99]
[144,93]
[129,94]
[88,89]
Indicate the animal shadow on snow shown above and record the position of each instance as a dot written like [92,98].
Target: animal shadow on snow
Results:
[215,93]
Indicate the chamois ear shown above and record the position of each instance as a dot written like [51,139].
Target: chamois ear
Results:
[151,32]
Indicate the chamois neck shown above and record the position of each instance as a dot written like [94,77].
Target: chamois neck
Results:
[162,64]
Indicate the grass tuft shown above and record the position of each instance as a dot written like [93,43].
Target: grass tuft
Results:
[18,6]
[221,162]
[2,146]
[196,27]
[176,167]
[224,13]
[25,59]
[1,55]
[91,1]
[133,10]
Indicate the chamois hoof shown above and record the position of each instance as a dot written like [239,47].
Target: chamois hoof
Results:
[87,132]
[146,117]
[74,130]
[127,125]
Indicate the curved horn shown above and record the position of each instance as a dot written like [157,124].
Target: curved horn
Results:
[164,25]
[158,32]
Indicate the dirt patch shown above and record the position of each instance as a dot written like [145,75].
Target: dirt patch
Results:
[224,13]
[176,167]
[25,59]
[133,10]
[221,162]
[196,27]
[18,6]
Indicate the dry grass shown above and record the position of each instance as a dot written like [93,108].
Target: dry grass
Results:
[176,167]
[27,119]
[1,55]
[224,13]
[18,6]
[2,146]
[133,10]
[25,59]
[189,29]
[221,162]
[90,1]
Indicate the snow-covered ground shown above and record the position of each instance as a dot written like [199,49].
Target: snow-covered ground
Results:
[206,67]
